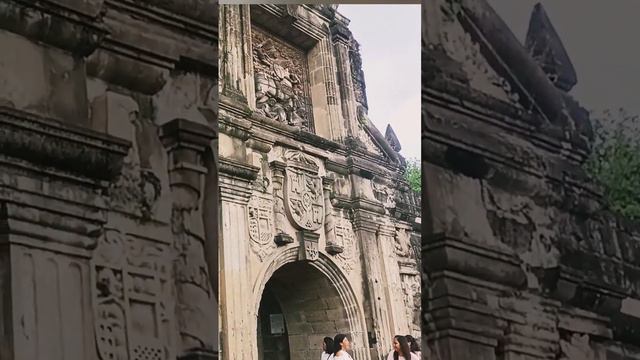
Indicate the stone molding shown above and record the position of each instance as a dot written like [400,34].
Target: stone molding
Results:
[53,144]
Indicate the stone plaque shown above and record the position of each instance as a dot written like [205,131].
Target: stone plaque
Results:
[304,199]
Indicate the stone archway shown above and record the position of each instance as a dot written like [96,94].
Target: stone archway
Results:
[315,300]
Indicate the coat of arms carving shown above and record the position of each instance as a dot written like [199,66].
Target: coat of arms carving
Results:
[260,225]
[304,199]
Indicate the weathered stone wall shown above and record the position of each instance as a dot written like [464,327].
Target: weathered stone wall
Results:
[320,189]
[522,259]
[107,130]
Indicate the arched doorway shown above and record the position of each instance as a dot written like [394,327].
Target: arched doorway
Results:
[300,305]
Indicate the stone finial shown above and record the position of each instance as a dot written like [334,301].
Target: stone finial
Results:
[545,46]
[392,139]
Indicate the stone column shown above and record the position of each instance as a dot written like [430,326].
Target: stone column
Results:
[366,228]
[236,291]
[236,73]
[341,36]
[186,143]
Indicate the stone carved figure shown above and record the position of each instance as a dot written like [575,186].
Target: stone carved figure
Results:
[401,245]
[260,225]
[280,81]
[576,348]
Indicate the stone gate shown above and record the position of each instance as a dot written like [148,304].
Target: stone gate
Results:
[317,224]
[521,258]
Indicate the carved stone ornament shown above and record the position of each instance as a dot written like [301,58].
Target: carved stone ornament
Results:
[281,80]
[346,237]
[261,225]
[309,246]
[304,198]
[131,287]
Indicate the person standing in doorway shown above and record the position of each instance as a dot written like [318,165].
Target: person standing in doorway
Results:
[327,348]
[413,346]
[340,347]
[401,350]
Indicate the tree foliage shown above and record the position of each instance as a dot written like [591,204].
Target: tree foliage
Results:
[615,160]
[413,174]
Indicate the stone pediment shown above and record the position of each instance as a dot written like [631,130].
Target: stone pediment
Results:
[468,46]
[373,140]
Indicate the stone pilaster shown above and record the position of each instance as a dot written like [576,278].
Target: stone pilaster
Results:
[236,73]
[186,143]
[324,92]
[340,37]
[391,272]
[235,292]
[52,210]
[366,228]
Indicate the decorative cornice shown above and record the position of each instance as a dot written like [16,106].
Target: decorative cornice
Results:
[238,169]
[47,22]
[442,252]
[52,143]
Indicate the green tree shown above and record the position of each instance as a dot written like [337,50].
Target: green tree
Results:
[615,160]
[413,174]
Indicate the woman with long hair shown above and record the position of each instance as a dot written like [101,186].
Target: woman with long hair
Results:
[327,348]
[401,350]
[414,346]
[340,347]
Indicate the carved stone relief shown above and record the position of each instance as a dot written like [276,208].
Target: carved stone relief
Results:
[384,194]
[357,74]
[131,292]
[401,246]
[282,80]
[260,211]
[346,237]
[412,291]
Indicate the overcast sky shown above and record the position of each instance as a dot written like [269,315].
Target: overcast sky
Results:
[602,39]
[389,37]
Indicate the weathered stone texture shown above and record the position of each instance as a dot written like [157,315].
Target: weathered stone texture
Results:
[108,119]
[522,259]
[315,211]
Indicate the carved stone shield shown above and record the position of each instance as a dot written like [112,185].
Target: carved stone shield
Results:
[260,225]
[304,199]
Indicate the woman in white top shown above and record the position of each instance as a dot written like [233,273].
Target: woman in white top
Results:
[414,346]
[340,347]
[401,350]
[327,348]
